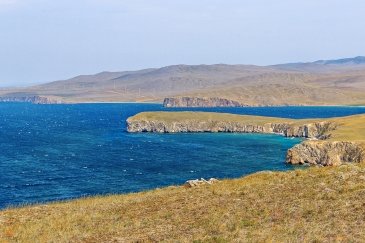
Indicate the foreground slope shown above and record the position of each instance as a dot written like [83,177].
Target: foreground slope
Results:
[312,205]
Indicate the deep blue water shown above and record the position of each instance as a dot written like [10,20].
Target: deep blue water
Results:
[54,152]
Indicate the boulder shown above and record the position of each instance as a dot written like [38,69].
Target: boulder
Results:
[202,181]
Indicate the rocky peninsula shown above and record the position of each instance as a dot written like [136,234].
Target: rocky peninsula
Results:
[328,141]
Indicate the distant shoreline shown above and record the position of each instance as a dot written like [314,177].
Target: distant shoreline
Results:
[160,103]
[213,107]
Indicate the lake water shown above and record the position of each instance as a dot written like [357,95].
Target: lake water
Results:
[56,152]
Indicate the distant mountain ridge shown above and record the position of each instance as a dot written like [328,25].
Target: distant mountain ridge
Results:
[324,82]
[354,60]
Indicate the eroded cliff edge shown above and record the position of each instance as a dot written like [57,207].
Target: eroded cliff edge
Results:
[326,153]
[328,141]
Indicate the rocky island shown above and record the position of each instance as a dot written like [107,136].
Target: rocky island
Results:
[328,141]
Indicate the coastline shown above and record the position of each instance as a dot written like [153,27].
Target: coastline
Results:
[252,204]
[328,140]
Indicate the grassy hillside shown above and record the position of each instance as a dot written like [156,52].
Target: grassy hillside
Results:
[312,205]
[285,93]
[350,128]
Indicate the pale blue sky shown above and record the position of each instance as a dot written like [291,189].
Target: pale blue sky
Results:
[43,40]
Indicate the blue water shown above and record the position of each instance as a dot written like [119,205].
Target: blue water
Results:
[55,152]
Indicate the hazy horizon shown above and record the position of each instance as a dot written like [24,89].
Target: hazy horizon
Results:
[46,41]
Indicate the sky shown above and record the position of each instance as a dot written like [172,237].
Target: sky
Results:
[43,40]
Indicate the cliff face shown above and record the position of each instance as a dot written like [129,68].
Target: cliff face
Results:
[200,102]
[325,153]
[312,130]
[317,130]
[31,99]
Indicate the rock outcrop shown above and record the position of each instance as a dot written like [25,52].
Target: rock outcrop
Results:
[202,181]
[326,153]
[200,102]
[30,99]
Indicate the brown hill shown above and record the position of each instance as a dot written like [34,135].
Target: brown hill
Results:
[334,82]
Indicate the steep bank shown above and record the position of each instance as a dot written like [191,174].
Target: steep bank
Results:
[333,141]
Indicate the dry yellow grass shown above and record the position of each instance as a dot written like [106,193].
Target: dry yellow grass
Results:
[205,116]
[351,128]
[313,205]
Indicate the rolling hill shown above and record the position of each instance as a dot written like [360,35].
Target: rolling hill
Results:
[325,82]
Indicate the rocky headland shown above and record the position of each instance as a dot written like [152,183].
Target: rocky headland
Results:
[34,99]
[326,140]
[326,153]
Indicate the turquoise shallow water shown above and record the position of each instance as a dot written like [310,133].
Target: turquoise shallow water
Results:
[55,152]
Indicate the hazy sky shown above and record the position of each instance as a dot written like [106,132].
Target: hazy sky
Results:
[45,40]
